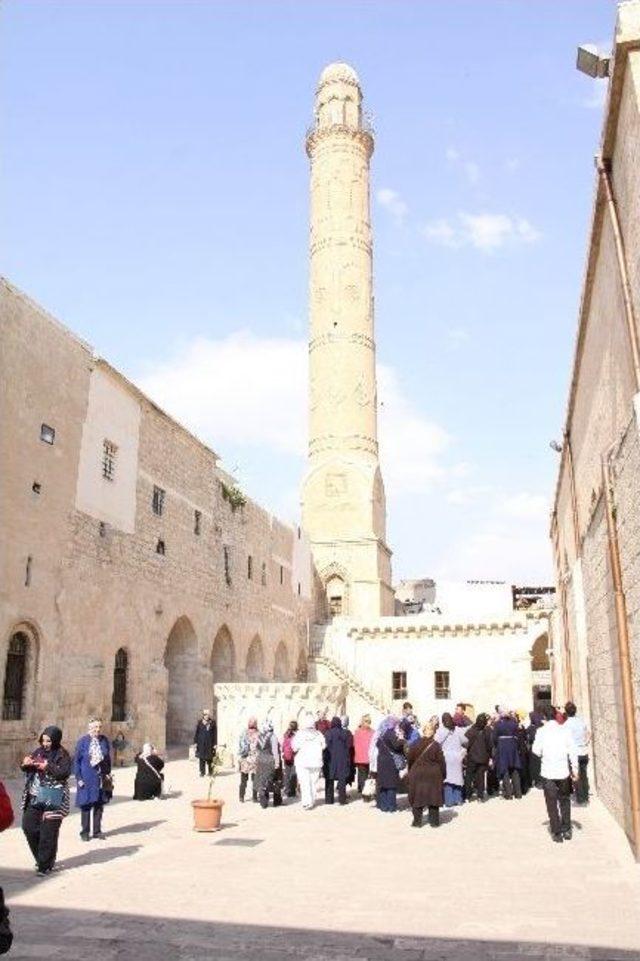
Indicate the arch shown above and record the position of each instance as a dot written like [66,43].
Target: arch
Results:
[335,582]
[183,692]
[120,681]
[255,660]
[20,668]
[281,670]
[539,655]
[223,656]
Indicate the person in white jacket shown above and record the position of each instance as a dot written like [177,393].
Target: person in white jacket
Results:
[556,748]
[308,745]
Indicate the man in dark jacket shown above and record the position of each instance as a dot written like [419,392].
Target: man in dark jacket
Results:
[205,740]
[479,753]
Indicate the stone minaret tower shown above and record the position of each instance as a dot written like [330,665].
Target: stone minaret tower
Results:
[343,503]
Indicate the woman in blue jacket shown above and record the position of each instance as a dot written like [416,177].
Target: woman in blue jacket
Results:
[92,769]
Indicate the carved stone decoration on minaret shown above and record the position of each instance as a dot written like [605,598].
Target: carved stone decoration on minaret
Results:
[343,502]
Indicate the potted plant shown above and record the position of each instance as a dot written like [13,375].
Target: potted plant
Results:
[207,812]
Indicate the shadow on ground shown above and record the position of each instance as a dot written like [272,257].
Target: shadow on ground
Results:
[75,935]
[14,881]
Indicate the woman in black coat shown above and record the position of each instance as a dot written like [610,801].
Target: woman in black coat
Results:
[45,799]
[427,771]
[391,760]
[148,783]
[479,752]
[339,741]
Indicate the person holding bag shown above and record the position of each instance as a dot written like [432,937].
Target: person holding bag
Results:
[45,799]
[92,769]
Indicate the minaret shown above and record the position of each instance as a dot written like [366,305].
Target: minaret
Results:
[343,503]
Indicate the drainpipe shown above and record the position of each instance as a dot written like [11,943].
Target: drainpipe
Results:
[624,656]
[574,496]
[604,172]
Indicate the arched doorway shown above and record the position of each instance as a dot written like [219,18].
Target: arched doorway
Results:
[255,661]
[223,659]
[183,691]
[541,669]
[281,670]
[336,596]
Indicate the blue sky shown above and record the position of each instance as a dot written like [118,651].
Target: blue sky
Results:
[155,199]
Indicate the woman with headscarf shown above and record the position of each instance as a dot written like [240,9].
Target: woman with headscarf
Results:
[148,782]
[92,770]
[453,742]
[339,742]
[361,745]
[507,755]
[290,781]
[45,799]
[248,754]
[391,761]
[268,767]
[479,751]
[427,769]
[308,746]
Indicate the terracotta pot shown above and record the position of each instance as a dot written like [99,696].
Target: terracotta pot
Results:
[207,814]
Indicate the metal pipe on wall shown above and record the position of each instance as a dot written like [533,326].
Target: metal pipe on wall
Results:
[624,655]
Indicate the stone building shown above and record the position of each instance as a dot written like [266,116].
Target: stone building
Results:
[596,517]
[134,575]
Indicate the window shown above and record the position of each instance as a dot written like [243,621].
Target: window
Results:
[36,487]
[197,523]
[227,564]
[160,548]
[335,606]
[119,699]
[14,678]
[249,568]
[47,434]
[102,529]
[399,685]
[263,575]
[441,684]
[109,452]
[299,589]
[27,571]
[281,574]
[158,500]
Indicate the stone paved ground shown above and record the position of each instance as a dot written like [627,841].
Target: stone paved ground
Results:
[333,884]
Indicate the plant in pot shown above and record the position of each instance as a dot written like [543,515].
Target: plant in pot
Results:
[207,812]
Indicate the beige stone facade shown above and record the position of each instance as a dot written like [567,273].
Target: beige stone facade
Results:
[343,503]
[601,453]
[152,561]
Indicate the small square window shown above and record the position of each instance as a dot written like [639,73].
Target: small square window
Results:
[442,688]
[160,549]
[109,452]
[47,434]
[197,523]
[399,685]
[158,501]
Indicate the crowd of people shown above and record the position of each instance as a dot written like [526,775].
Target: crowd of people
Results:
[445,762]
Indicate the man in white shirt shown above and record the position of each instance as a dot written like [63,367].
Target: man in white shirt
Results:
[556,748]
[581,735]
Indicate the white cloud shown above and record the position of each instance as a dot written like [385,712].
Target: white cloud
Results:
[485,231]
[512,164]
[457,336]
[463,496]
[526,505]
[393,202]
[251,392]
[470,168]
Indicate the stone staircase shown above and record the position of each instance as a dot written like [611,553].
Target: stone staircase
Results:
[322,654]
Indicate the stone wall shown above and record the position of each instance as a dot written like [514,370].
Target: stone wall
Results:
[94,586]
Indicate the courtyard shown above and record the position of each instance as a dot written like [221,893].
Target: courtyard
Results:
[329,885]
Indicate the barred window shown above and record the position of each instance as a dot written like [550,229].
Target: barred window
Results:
[399,685]
[109,452]
[158,500]
[15,677]
[119,699]
[442,689]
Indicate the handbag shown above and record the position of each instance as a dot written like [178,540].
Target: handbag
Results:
[106,783]
[369,789]
[48,797]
